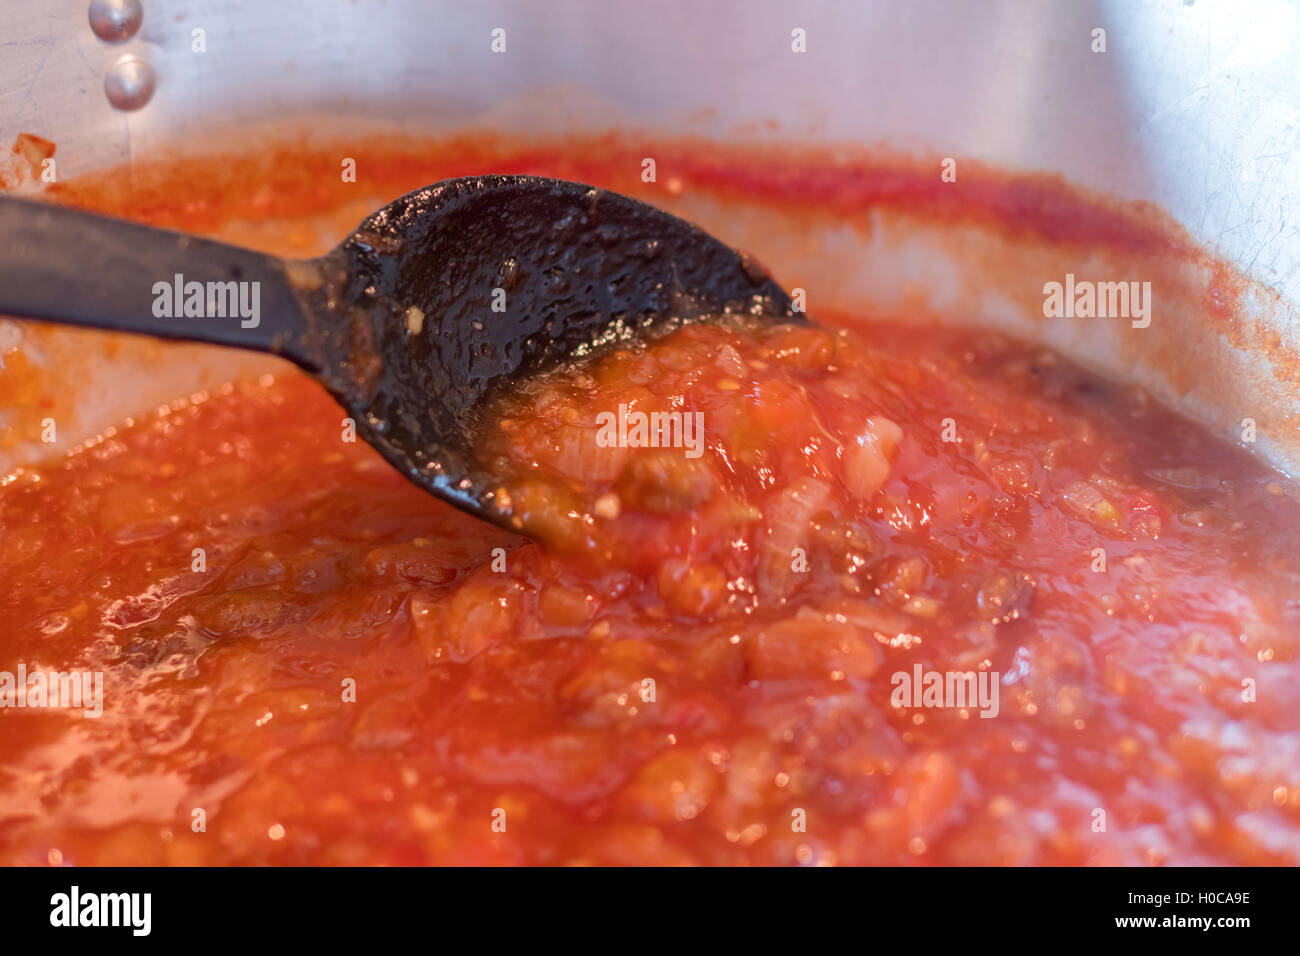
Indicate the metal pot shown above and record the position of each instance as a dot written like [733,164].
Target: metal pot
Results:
[1191,105]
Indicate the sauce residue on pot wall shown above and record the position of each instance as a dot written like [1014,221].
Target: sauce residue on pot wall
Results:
[860,229]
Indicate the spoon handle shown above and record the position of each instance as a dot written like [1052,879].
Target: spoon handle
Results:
[76,268]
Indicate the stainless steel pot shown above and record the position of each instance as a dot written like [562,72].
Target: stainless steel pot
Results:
[1194,105]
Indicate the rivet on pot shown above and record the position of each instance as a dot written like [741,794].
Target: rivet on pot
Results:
[115,20]
[129,83]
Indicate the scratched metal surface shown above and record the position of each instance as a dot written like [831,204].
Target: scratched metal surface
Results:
[1195,105]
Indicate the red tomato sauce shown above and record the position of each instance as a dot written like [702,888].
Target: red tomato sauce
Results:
[701,662]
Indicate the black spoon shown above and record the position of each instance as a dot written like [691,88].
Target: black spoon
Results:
[398,321]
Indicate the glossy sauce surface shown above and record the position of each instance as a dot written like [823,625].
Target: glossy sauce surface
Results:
[698,667]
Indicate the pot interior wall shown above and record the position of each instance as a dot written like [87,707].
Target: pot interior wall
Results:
[1208,131]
